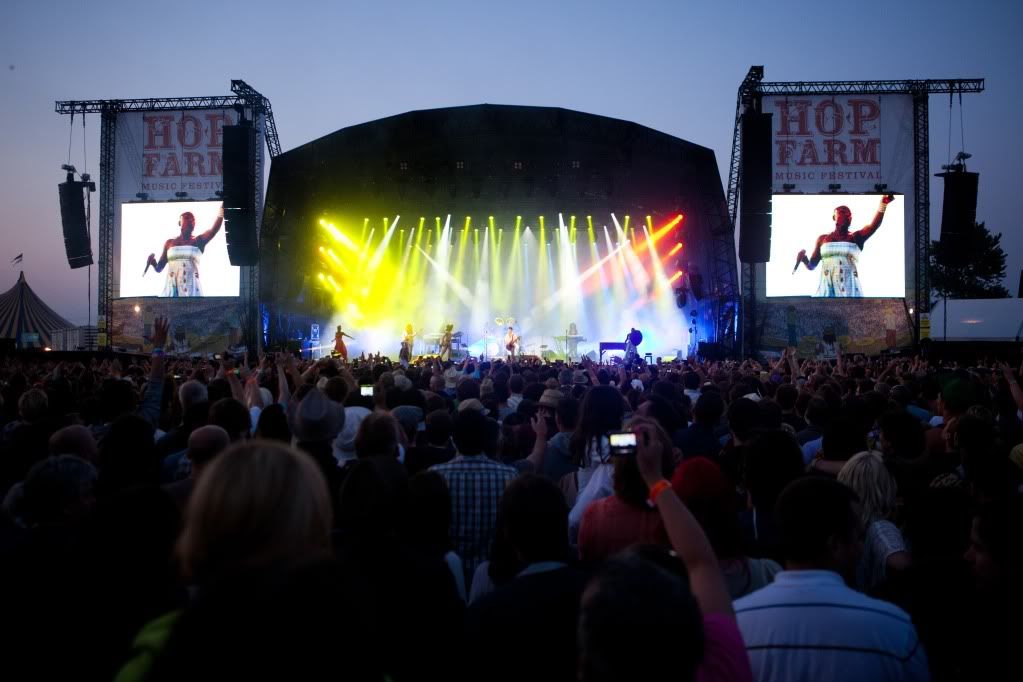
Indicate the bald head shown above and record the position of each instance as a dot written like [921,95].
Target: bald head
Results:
[205,443]
[74,440]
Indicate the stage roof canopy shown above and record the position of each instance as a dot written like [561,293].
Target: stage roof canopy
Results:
[487,161]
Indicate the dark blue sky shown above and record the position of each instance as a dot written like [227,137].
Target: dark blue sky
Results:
[673,66]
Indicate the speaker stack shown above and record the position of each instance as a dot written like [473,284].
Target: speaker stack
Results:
[958,215]
[77,244]
[240,193]
[755,189]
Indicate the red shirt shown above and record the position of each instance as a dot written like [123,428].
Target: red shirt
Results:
[610,525]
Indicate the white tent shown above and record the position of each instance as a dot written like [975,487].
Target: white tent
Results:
[978,319]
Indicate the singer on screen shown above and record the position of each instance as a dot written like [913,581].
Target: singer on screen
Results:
[838,253]
[181,257]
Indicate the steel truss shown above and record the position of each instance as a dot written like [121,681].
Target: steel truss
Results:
[753,89]
[108,109]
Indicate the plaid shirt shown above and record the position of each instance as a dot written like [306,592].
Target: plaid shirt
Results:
[476,484]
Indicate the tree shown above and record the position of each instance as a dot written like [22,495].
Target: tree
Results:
[977,273]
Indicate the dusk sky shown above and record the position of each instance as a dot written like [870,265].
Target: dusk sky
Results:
[672,66]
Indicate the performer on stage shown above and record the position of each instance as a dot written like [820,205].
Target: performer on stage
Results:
[445,343]
[632,339]
[405,354]
[839,252]
[340,349]
[183,253]
[572,341]
[510,343]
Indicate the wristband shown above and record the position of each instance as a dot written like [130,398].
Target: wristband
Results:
[157,352]
[656,489]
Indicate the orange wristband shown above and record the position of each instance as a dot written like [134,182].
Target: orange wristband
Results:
[656,489]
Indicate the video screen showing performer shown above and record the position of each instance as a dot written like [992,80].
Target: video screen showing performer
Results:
[841,262]
[191,263]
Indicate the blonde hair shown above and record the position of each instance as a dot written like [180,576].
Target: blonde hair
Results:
[866,474]
[257,502]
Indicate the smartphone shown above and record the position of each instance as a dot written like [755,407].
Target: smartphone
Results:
[366,390]
[622,443]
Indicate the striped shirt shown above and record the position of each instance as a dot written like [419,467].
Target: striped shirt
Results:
[476,484]
[809,626]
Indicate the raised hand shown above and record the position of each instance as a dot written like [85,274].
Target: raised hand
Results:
[160,327]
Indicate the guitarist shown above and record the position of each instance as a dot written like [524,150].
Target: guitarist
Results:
[405,354]
[510,342]
[445,343]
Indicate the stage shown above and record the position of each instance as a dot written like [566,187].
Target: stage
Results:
[474,216]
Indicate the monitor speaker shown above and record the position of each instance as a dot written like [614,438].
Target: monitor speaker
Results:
[72,218]
[240,193]
[755,192]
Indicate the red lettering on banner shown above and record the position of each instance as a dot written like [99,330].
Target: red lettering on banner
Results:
[863,111]
[158,131]
[216,163]
[865,151]
[149,161]
[821,117]
[808,157]
[194,164]
[786,148]
[171,166]
[217,122]
[786,117]
[189,132]
[836,152]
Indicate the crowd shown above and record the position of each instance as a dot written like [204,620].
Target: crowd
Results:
[265,517]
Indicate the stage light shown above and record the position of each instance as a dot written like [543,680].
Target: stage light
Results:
[321,276]
[468,221]
[675,249]
[518,222]
[674,278]
[627,218]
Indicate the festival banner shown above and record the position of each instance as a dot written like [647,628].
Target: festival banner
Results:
[161,153]
[855,141]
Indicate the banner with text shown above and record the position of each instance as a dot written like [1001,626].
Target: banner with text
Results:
[161,153]
[855,141]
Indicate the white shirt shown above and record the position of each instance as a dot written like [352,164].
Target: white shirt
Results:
[809,626]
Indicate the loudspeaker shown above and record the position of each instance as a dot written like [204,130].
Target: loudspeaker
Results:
[240,193]
[958,214]
[1019,293]
[755,195]
[72,218]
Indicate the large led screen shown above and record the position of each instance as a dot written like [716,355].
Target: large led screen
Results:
[837,246]
[175,250]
